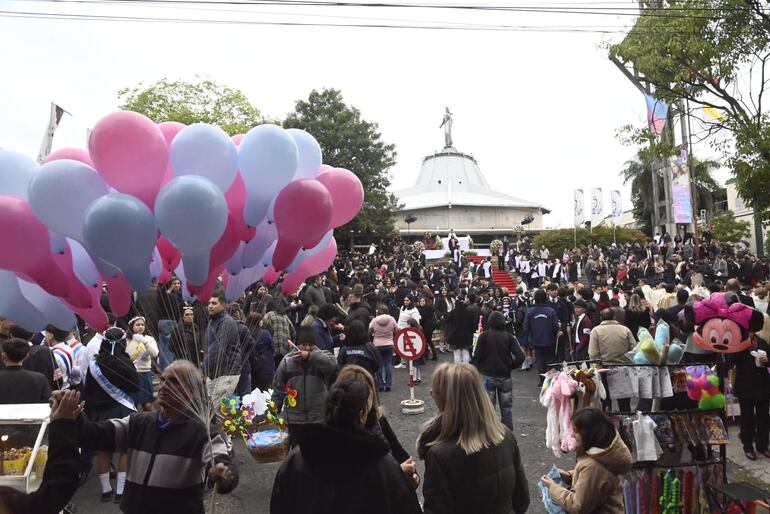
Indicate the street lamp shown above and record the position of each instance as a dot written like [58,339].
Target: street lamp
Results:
[409,220]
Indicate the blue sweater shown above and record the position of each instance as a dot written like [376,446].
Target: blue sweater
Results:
[541,326]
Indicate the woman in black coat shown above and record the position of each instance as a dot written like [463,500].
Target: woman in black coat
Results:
[110,382]
[339,467]
[458,331]
[428,322]
[472,461]
[752,388]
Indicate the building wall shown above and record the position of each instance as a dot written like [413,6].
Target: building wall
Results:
[462,219]
[742,213]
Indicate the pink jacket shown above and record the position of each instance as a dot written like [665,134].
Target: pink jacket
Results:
[383,328]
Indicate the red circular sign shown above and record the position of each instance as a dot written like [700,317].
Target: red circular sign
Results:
[410,344]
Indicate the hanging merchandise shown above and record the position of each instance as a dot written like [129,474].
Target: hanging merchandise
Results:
[670,499]
[647,446]
[703,387]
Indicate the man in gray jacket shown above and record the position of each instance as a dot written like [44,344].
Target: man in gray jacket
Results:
[304,375]
[314,294]
[609,342]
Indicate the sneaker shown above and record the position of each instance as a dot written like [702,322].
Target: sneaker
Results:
[400,365]
[107,496]
[117,499]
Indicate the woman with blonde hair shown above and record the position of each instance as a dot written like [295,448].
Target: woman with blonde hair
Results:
[472,461]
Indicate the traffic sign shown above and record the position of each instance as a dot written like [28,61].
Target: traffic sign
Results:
[410,344]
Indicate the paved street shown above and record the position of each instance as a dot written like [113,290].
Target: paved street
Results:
[253,492]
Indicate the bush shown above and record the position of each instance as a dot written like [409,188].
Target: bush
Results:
[557,240]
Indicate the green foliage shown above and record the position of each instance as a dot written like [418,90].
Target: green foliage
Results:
[203,101]
[556,240]
[349,142]
[726,229]
[712,53]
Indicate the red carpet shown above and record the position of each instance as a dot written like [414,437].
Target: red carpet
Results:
[500,278]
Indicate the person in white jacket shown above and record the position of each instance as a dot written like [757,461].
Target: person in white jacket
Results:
[142,349]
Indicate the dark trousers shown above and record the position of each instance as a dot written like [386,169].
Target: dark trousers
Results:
[544,355]
[564,348]
[755,423]
[500,263]
[624,404]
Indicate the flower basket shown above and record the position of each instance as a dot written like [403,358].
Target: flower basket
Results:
[268,443]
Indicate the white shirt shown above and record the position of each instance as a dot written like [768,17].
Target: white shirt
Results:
[404,315]
[524,266]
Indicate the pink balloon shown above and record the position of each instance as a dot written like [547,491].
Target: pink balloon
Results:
[236,139]
[169,129]
[27,247]
[168,254]
[78,294]
[303,210]
[94,315]
[119,293]
[347,194]
[75,154]
[271,275]
[130,153]
[310,266]
[236,199]
[226,246]
[164,277]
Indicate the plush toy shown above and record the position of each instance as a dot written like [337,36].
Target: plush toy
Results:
[723,324]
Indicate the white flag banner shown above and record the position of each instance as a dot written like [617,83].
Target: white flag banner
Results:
[580,204]
[617,208]
[53,122]
[597,206]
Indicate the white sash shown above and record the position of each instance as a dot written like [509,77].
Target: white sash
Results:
[115,393]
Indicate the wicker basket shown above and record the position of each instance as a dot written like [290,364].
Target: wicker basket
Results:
[268,454]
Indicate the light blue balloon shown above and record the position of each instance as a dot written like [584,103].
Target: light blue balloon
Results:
[196,268]
[267,257]
[52,308]
[83,265]
[156,265]
[234,264]
[58,242]
[267,158]
[206,151]
[191,213]
[61,193]
[15,307]
[253,250]
[121,230]
[16,170]
[310,158]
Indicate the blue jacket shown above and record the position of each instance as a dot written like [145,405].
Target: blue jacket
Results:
[541,326]
[324,339]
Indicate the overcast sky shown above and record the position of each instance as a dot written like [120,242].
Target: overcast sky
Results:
[538,110]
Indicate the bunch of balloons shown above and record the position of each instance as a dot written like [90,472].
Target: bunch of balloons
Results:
[703,387]
[146,200]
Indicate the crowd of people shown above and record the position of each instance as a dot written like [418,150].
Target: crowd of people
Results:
[333,342]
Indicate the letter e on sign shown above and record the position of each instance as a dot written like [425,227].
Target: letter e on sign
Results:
[410,344]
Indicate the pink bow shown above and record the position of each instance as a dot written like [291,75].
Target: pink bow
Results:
[716,306]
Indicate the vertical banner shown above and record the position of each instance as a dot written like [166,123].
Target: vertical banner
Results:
[579,210]
[657,114]
[680,187]
[53,122]
[597,206]
[616,206]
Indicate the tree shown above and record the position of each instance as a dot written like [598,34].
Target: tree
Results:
[347,141]
[726,229]
[203,101]
[713,54]
[557,240]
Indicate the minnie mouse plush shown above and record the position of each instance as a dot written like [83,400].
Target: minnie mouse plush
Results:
[724,325]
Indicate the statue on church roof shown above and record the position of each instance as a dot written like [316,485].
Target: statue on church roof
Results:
[446,124]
